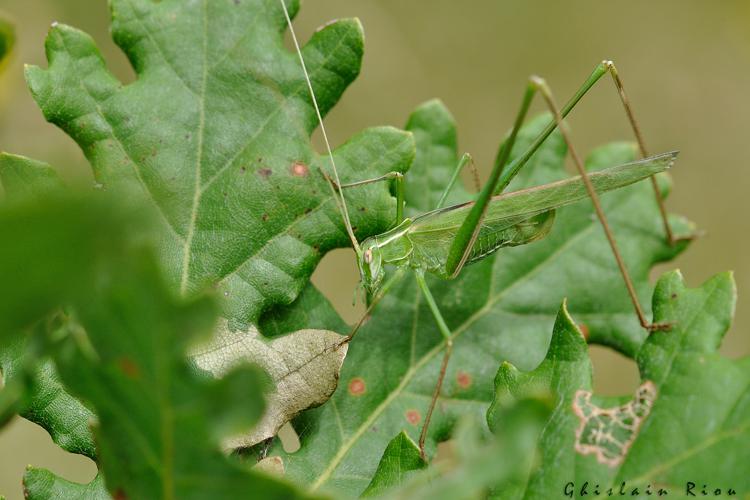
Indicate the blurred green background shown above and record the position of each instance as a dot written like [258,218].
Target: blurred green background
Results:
[686,64]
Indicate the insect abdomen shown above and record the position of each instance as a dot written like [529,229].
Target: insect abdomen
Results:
[430,254]
[527,231]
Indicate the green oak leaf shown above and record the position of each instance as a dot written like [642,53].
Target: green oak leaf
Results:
[47,402]
[215,133]
[41,483]
[687,422]
[502,308]
[7,41]
[122,348]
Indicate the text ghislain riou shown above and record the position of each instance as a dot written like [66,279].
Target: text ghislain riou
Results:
[691,489]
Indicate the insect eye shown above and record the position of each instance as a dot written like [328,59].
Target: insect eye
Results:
[368,256]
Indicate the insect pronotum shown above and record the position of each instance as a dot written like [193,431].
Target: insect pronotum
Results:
[443,241]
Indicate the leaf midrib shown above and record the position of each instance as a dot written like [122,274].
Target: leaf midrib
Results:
[186,253]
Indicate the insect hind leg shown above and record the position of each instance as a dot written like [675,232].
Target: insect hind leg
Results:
[600,70]
[544,89]
[612,70]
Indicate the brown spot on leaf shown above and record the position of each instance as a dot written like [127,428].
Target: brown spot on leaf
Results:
[128,367]
[413,417]
[264,217]
[363,209]
[265,172]
[119,494]
[463,379]
[674,296]
[299,169]
[584,330]
[357,386]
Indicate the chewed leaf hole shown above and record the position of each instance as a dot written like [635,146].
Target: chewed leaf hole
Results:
[608,433]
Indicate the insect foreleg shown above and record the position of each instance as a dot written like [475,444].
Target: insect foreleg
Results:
[397,177]
[541,85]
[448,340]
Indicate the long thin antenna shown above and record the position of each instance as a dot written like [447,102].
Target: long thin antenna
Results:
[342,200]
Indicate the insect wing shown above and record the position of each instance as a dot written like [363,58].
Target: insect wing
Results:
[520,205]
